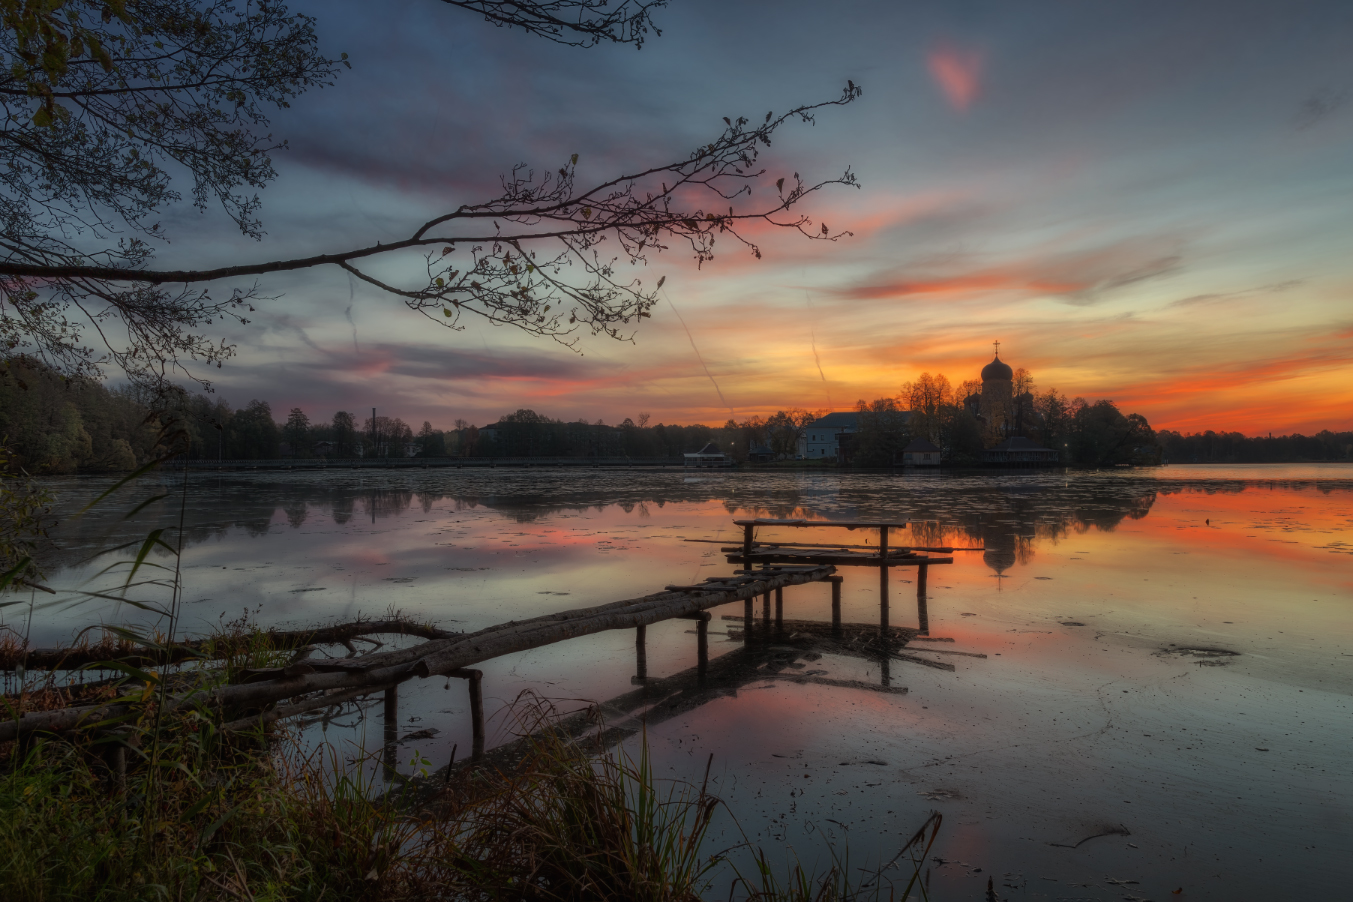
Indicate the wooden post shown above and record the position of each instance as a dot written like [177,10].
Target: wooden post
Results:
[885,670]
[118,765]
[391,723]
[476,714]
[779,610]
[748,619]
[641,653]
[765,611]
[475,679]
[883,580]
[702,646]
[747,547]
[922,611]
[836,602]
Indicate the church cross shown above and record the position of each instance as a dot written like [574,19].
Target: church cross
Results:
[998,348]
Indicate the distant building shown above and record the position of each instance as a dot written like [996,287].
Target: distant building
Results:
[997,403]
[921,453]
[759,452]
[821,437]
[1019,451]
[324,449]
[708,456]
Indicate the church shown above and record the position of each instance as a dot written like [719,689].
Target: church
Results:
[1004,415]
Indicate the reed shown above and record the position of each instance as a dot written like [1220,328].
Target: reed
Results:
[205,816]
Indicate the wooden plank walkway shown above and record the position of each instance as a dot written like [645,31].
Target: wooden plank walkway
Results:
[835,557]
[309,685]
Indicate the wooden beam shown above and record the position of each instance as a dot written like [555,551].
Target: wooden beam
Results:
[440,656]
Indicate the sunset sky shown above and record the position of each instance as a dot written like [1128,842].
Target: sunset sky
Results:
[1147,202]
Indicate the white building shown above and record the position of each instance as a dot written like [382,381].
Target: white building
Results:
[820,437]
[708,456]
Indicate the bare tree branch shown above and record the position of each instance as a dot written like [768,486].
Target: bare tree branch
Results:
[575,23]
[486,259]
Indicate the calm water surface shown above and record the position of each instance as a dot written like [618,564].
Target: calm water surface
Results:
[1169,654]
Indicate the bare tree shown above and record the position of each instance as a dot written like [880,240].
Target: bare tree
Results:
[930,399]
[103,98]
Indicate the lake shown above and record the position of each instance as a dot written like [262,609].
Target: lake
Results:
[1168,654]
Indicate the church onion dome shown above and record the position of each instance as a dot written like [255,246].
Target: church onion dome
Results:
[997,369]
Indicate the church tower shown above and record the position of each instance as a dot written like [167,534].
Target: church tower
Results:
[997,396]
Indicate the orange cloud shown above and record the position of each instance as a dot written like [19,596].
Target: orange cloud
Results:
[957,72]
[990,280]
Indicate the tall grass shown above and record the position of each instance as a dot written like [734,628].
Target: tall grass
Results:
[208,817]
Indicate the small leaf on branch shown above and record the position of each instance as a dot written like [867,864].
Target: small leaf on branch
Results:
[824,228]
[446,312]
[780,185]
[574,160]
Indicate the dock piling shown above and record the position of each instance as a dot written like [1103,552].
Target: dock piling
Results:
[779,610]
[922,611]
[702,619]
[748,619]
[391,724]
[836,602]
[641,653]
[475,678]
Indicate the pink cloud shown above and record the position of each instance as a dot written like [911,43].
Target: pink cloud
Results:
[958,73]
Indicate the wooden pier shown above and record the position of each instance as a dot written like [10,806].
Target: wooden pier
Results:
[262,697]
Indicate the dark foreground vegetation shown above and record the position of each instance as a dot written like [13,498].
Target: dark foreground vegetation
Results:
[160,804]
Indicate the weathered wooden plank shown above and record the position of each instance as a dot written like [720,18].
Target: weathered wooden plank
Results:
[804,524]
[443,655]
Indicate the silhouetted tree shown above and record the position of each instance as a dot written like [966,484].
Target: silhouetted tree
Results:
[344,434]
[106,100]
[296,433]
[882,432]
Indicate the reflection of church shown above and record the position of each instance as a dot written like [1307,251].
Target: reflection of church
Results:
[1004,416]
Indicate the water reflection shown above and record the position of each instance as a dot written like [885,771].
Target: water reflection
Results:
[1085,711]
[1009,517]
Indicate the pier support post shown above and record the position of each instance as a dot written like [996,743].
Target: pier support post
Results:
[779,610]
[885,670]
[391,724]
[765,611]
[883,580]
[922,610]
[117,763]
[836,602]
[475,679]
[477,714]
[641,653]
[748,619]
[701,619]
[747,547]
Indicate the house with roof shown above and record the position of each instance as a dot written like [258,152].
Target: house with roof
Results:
[820,438]
[1018,451]
[708,456]
[921,453]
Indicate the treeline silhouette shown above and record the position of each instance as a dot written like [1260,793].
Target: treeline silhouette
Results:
[1233,448]
[52,424]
